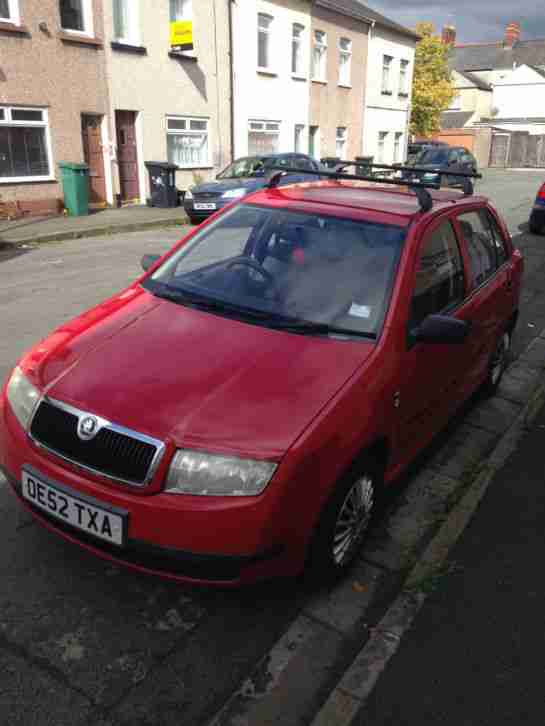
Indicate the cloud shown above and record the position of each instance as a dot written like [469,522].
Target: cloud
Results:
[474,20]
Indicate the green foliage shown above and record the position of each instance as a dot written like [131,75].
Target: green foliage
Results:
[433,91]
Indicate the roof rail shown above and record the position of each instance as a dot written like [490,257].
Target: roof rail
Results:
[420,188]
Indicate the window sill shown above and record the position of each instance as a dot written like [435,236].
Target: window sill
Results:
[80,39]
[123,47]
[297,77]
[319,80]
[386,93]
[28,180]
[193,166]
[266,72]
[183,55]
[344,85]
[7,27]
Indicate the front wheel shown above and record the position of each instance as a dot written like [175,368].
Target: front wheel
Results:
[498,364]
[344,523]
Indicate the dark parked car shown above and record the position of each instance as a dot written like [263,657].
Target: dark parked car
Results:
[417,147]
[242,177]
[441,159]
[537,217]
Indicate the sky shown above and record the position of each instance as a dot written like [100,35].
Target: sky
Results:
[475,20]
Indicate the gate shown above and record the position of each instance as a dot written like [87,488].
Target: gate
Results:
[518,148]
[499,149]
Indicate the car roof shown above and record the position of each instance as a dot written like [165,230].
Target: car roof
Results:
[357,199]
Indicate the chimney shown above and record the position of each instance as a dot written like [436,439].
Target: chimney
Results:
[512,35]
[449,35]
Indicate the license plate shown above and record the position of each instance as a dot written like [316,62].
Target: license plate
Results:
[204,206]
[82,515]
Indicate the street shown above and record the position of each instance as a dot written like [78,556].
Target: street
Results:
[84,643]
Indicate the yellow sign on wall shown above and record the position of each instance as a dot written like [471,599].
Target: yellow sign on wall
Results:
[181,35]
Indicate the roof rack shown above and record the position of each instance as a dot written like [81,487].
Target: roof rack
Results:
[420,188]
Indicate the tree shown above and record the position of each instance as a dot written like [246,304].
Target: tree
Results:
[433,91]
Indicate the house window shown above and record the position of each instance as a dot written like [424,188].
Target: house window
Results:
[314,142]
[179,9]
[398,138]
[264,40]
[298,138]
[9,11]
[345,61]
[77,16]
[25,150]
[319,56]
[297,49]
[404,78]
[188,142]
[126,21]
[386,73]
[382,137]
[263,137]
[340,147]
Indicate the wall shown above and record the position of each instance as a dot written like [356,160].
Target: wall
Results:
[332,105]
[520,94]
[40,69]
[156,85]
[276,95]
[383,112]
[475,140]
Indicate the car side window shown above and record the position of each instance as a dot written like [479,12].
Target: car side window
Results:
[502,251]
[439,281]
[481,246]
[301,162]
[453,156]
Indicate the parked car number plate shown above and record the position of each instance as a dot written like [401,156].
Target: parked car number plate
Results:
[204,206]
[94,520]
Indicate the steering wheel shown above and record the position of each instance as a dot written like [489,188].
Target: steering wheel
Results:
[257,267]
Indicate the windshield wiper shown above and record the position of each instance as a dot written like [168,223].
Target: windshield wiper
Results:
[185,297]
[307,327]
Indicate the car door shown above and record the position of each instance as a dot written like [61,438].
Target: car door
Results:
[490,301]
[432,376]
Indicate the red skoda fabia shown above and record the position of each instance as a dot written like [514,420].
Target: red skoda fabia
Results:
[234,413]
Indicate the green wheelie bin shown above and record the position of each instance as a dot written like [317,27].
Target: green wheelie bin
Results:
[75,186]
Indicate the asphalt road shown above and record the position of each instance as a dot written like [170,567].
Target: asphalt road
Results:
[82,642]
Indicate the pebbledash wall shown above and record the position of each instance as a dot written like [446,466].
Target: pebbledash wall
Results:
[59,75]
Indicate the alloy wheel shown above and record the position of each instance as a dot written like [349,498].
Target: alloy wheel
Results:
[353,519]
[499,359]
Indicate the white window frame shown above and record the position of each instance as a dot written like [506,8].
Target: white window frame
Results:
[404,77]
[187,11]
[398,146]
[14,13]
[268,32]
[88,29]
[299,42]
[134,25]
[265,127]
[341,137]
[381,148]
[387,74]
[206,164]
[299,135]
[43,124]
[345,63]
[319,41]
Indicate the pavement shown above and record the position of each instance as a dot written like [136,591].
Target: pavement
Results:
[35,230]
[83,643]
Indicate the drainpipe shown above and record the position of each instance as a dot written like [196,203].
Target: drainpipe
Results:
[232,78]
[365,109]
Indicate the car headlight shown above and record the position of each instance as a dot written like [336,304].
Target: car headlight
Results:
[210,475]
[234,193]
[23,397]
[188,194]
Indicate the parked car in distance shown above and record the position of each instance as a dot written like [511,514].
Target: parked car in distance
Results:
[444,159]
[537,215]
[237,411]
[417,147]
[240,178]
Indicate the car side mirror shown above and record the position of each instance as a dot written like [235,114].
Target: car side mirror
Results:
[148,261]
[442,330]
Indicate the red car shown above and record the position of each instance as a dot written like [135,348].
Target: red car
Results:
[234,414]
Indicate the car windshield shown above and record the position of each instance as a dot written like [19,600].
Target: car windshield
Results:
[248,167]
[433,156]
[300,272]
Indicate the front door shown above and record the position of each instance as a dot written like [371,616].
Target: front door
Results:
[91,133]
[127,155]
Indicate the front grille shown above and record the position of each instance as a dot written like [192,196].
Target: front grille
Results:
[115,454]
[206,196]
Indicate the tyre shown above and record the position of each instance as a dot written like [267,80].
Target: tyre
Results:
[194,220]
[344,523]
[498,364]
[534,227]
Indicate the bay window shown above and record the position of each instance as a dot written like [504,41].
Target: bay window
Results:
[188,142]
[25,153]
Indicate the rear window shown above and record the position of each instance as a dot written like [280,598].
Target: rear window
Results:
[480,244]
[434,156]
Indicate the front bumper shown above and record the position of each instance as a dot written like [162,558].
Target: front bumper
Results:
[537,217]
[221,541]
[202,214]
